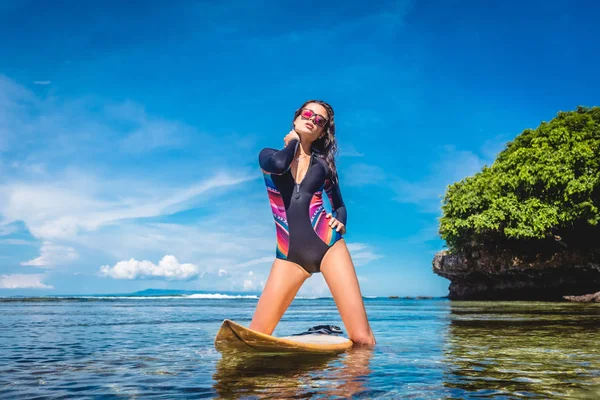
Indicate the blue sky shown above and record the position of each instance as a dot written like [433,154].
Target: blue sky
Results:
[129,134]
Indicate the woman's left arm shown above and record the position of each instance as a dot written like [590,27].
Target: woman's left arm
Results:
[338,207]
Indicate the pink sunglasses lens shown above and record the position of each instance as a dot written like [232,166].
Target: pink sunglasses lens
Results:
[307,114]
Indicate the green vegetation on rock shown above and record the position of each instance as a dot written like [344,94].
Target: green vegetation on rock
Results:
[542,190]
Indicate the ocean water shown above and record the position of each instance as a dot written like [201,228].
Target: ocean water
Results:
[139,348]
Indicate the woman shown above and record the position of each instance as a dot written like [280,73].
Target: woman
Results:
[309,240]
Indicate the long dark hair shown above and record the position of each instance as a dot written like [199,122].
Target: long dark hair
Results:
[325,147]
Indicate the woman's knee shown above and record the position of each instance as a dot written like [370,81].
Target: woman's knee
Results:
[363,338]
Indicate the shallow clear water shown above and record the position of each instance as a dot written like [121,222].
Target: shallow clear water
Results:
[163,348]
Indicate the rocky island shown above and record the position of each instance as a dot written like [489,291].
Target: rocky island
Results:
[528,226]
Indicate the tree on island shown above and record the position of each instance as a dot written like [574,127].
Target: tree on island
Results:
[541,194]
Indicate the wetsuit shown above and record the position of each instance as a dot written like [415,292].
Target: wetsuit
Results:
[303,231]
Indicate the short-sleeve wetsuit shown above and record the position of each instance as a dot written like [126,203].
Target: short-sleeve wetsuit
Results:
[303,231]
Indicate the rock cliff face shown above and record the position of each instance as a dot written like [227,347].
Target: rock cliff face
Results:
[481,275]
[588,298]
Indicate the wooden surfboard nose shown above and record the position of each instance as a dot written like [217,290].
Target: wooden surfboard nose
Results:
[234,335]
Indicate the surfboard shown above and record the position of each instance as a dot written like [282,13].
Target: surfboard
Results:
[232,335]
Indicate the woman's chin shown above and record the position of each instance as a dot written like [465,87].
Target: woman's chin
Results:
[306,133]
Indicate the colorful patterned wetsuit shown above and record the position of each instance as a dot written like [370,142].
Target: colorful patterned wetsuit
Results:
[303,231]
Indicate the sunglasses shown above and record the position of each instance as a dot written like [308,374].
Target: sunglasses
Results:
[307,113]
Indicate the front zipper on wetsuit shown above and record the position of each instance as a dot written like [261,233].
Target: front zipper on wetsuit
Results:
[298,184]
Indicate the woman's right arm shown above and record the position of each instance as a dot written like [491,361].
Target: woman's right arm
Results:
[277,162]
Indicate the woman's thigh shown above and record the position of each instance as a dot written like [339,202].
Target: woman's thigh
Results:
[339,273]
[285,279]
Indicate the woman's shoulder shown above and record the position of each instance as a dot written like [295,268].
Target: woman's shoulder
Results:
[267,151]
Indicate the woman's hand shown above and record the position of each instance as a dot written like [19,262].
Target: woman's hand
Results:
[337,225]
[292,135]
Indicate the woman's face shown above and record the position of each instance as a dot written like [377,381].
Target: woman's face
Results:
[308,126]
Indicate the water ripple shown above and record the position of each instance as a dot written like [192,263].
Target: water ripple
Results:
[426,349]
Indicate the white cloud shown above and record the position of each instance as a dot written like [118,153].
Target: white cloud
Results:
[315,286]
[348,150]
[23,281]
[427,192]
[361,174]
[168,268]
[205,241]
[148,133]
[17,242]
[453,166]
[32,169]
[66,207]
[52,255]
[55,126]
[364,257]
[253,282]
[362,254]
[257,261]
[57,188]
[15,101]
[7,229]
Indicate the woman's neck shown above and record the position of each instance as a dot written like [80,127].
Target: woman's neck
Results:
[304,149]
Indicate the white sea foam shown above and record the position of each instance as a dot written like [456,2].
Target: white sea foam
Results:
[219,296]
[185,296]
[214,296]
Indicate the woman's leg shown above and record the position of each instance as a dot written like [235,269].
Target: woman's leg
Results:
[282,285]
[338,270]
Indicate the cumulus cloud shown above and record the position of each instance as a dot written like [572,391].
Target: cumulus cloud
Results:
[253,282]
[168,268]
[223,272]
[52,255]
[75,177]
[23,281]
[315,286]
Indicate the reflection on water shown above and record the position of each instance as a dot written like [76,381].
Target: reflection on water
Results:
[242,374]
[544,349]
[429,349]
